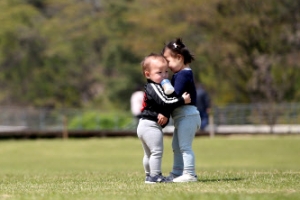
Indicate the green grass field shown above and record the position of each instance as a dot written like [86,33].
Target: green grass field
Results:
[239,167]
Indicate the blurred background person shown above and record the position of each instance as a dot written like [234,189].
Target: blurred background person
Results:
[203,105]
[136,102]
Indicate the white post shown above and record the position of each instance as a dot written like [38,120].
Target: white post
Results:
[211,126]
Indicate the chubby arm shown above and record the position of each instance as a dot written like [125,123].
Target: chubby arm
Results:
[166,103]
[163,100]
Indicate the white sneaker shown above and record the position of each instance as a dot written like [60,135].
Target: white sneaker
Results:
[185,178]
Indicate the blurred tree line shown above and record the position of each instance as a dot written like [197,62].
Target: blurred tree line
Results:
[87,53]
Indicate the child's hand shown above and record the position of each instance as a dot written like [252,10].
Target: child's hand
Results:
[161,119]
[186,97]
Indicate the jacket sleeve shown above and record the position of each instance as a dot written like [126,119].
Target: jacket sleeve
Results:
[165,103]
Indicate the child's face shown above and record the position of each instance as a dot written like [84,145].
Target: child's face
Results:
[175,63]
[158,70]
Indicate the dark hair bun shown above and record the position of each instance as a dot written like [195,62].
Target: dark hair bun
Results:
[179,43]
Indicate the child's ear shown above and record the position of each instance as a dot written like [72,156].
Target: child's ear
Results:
[179,56]
[147,74]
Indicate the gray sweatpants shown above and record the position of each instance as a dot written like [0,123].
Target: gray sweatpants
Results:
[151,135]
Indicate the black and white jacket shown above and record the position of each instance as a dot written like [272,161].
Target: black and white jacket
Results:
[156,101]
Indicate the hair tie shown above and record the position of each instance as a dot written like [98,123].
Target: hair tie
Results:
[175,45]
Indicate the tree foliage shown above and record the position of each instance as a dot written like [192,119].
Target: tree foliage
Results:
[255,45]
[77,53]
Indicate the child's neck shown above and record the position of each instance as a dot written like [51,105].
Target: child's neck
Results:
[184,67]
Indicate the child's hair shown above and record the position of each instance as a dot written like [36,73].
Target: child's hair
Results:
[147,61]
[177,47]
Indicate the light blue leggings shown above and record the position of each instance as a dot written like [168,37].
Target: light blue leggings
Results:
[186,121]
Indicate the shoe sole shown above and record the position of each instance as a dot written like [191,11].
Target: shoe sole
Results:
[184,181]
[149,182]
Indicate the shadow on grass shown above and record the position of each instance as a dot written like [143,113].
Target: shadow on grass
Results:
[220,180]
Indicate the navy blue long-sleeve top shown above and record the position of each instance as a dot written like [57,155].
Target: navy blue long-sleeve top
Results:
[183,81]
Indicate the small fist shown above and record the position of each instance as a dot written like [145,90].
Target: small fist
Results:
[186,97]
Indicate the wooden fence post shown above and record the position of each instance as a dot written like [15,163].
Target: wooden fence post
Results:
[65,133]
